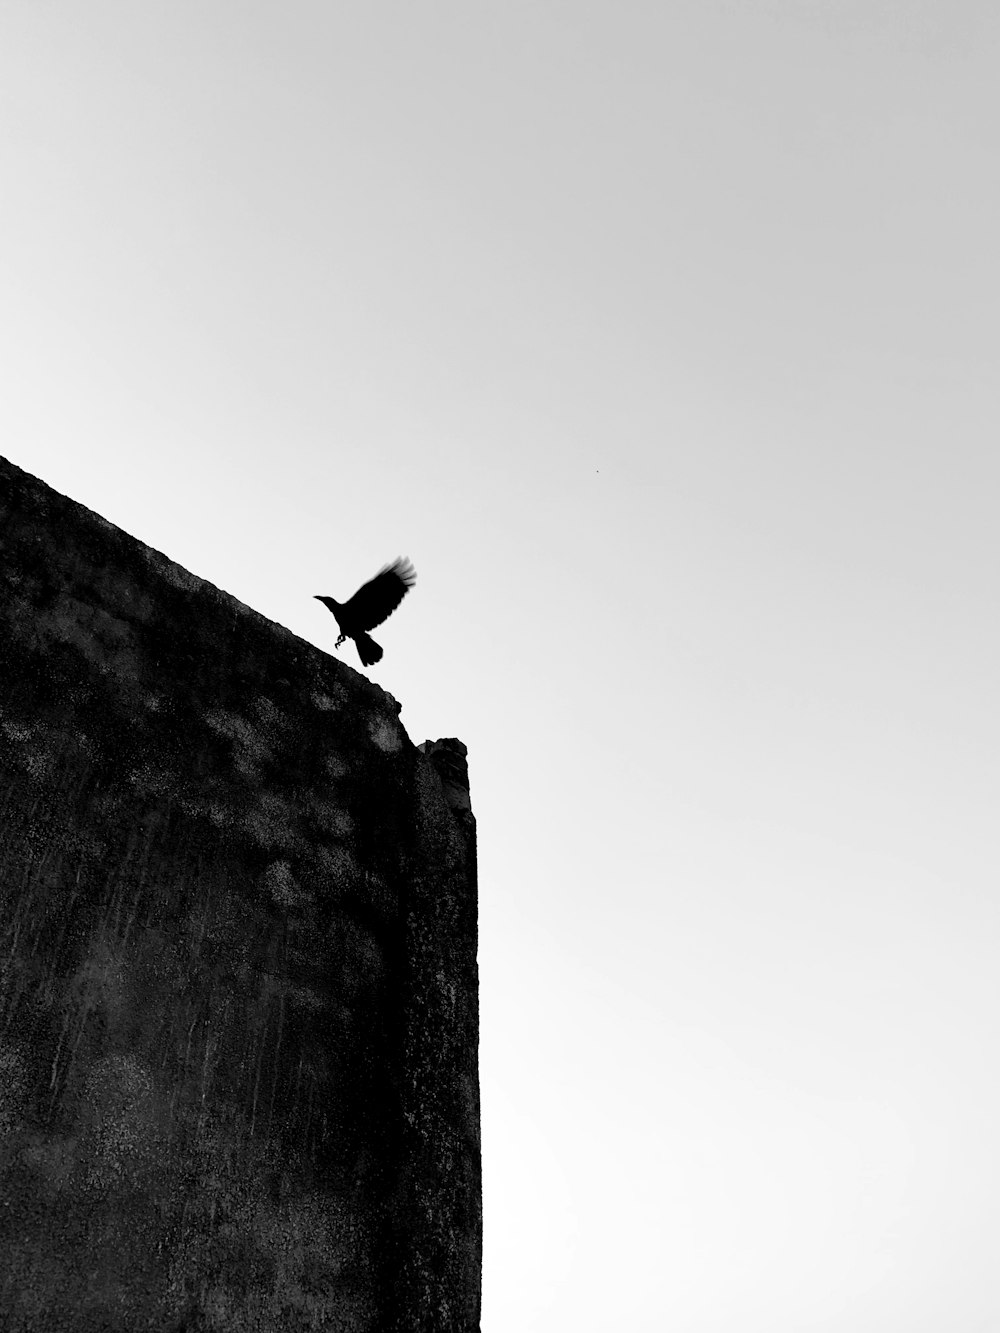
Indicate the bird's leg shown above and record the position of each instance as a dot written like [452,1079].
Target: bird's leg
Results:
[340,641]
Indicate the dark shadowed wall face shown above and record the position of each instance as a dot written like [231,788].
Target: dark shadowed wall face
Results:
[238,1001]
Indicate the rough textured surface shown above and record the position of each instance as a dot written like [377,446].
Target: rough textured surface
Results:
[238,986]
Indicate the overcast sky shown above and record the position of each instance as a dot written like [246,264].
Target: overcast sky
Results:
[664,339]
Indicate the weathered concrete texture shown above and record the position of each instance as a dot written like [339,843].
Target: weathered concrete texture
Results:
[238,987]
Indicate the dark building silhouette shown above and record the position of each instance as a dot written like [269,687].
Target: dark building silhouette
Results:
[238,985]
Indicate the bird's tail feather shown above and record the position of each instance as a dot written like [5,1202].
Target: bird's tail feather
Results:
[368,649]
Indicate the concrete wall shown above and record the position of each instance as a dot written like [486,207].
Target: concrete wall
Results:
[238,986]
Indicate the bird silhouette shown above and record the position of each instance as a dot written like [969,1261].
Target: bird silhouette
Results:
[373,602]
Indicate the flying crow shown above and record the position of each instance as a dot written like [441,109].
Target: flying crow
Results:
[373,602]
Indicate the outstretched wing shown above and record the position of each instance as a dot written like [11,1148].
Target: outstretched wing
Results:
[376,600]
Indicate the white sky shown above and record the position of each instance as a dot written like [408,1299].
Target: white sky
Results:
[664,339]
